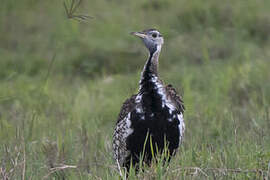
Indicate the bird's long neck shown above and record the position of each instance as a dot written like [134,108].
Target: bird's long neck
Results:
[150,69]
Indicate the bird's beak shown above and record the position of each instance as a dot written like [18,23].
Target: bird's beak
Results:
[139,34]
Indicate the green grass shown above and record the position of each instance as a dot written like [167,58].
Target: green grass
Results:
[62,111]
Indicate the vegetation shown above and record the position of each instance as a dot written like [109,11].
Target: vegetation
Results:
[62,83]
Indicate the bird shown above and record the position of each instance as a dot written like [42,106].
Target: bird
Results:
[151,119]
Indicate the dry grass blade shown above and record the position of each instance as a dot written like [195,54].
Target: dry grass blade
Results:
[11,162]
[268,171]
[123,176]
[24,162]
[194,171]
[71,10]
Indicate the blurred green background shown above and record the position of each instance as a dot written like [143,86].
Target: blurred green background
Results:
[62,83]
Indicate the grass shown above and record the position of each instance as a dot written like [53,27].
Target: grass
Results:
[63,83]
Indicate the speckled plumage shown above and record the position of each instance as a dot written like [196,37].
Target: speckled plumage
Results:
[156,111]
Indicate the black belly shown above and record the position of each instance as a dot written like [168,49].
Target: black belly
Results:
[155,126]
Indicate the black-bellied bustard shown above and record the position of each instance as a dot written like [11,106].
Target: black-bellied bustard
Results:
[155,112]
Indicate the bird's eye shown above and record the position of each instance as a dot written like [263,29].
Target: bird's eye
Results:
[154,35]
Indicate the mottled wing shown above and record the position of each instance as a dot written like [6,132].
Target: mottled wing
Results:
[127,106]
[175,98]
[123,130]
[178,102]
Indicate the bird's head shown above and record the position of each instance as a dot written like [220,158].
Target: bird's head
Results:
[152,39]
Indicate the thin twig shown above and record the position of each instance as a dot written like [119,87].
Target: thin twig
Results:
[59,168]
[201,171]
